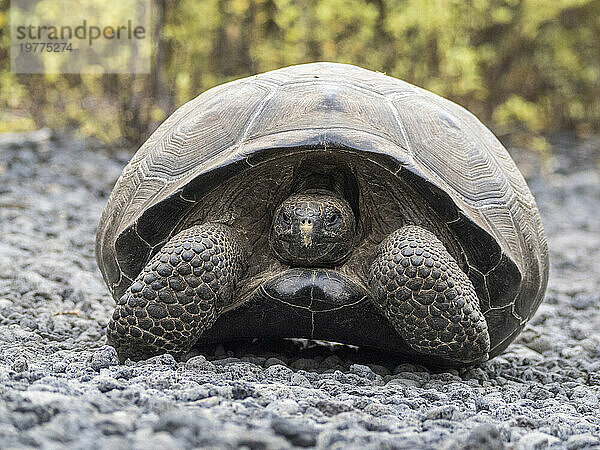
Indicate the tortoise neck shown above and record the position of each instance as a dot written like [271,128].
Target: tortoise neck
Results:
[324,175]
[317,183]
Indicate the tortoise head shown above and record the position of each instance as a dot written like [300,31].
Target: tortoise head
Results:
[313,228]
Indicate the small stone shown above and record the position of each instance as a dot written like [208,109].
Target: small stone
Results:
[28,323]
[363,371]
[540,344]
[379,370]
[331,407]
[332,362]
[283,407]
[405,367]
[19,365]
[404,382]
[226,361]
[104,357]
[295,431]
[304,364]
[106,384]
[585,301]
[200,363]
[300,380]
[273,361]
[123,372]
[59,367]
[448,412]
[240,391]
[278,372]
[117,424]
[584,440]
[484,437]
[173,420]
[585,396]
[536,440]
[192,395]
[162,360]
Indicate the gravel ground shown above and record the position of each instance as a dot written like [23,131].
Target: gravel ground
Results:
[62,387]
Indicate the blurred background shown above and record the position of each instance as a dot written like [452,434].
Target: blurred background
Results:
[526,68]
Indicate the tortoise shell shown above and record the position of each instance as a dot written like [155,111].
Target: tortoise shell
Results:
[230,156]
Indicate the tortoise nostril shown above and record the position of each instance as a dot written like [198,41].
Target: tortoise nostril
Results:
[306,221]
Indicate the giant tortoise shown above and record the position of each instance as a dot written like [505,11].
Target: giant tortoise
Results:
[322,201]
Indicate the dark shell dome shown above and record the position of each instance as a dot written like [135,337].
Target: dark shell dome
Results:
[415,157]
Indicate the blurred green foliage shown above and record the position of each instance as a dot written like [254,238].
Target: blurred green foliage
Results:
[522,66]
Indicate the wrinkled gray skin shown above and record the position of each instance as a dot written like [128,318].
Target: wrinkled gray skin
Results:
[61,387]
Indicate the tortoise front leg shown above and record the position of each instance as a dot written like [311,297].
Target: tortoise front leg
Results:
[427,297]
[179,294]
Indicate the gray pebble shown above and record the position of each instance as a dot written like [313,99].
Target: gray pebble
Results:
[586,440]
[199,363]
[484,437]
[273,361]
[104,358]
[299,380]
[161,360]
[20,365]
[332,362]
[537,440]
[304,364]
[363,371]
[106,384]
[295,431]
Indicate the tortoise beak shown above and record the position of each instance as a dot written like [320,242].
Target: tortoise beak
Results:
[306,231]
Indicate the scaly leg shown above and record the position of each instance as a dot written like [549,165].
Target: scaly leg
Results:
[427,298]
[179,294]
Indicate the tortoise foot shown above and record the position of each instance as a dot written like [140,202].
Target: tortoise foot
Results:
[427,298]
[179,294]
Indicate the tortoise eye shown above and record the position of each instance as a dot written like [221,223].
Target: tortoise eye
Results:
[332,219]
[285,218]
